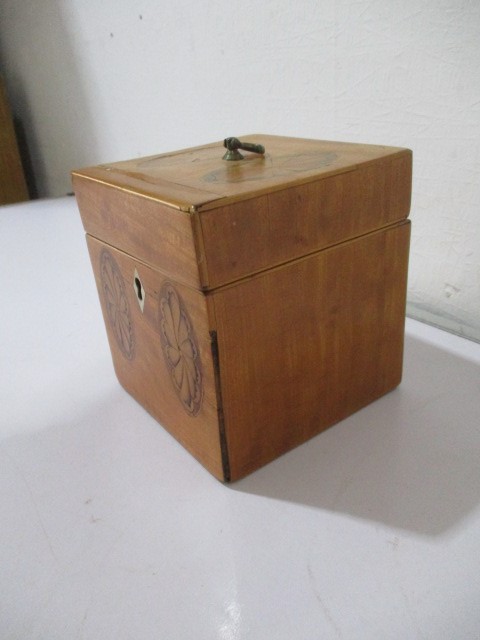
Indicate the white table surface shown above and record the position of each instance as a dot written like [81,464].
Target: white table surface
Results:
[110,530]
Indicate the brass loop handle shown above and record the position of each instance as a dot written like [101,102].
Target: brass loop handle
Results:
[232,145]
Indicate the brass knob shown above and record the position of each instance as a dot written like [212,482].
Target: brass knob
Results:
[232,145]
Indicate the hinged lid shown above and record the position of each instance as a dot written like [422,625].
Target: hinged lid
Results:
[199,178]
[252,214]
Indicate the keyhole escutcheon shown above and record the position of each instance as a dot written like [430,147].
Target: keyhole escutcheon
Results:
[139,290]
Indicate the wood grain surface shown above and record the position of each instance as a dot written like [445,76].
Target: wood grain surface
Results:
[315,194]
[252,235]
[307,344]
[198,178]
[143,368]
[142,227]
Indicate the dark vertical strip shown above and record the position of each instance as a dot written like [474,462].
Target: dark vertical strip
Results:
[221,417]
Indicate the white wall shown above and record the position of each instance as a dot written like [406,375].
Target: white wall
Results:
[102,81]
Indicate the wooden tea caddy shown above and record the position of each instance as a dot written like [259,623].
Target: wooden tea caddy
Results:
[251,304]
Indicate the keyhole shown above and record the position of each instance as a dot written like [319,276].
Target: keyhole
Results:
[139,290]
[138,284]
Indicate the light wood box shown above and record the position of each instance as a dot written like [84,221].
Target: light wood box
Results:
[250,305]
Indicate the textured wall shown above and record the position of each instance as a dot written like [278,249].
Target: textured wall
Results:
[98,81]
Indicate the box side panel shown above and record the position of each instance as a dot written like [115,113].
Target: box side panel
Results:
[140,226]
[246,237]
[159,337]
[305,345]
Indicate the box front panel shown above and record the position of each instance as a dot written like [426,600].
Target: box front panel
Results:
[159,337]
[307,344]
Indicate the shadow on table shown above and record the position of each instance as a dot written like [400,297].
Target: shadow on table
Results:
[410,460]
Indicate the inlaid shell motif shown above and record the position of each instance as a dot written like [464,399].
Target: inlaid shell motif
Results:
[116,304]
[180,349]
